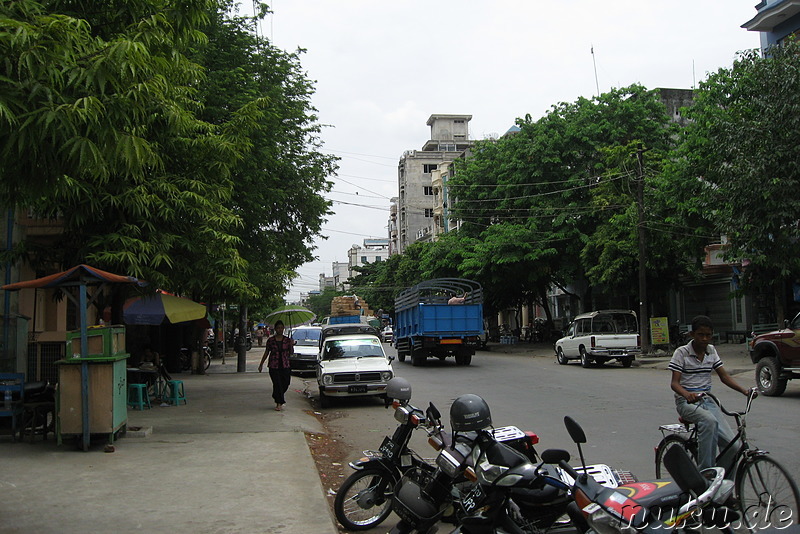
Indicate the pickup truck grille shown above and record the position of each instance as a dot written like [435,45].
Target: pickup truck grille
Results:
[343,378]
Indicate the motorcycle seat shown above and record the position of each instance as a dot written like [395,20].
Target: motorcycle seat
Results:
[655,495]
[542,494]
[501,454]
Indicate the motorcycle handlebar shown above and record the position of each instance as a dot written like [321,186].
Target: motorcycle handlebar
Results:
[569,469]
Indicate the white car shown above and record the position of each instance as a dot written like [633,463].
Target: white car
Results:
[352,365]
[600,336]
[306,348]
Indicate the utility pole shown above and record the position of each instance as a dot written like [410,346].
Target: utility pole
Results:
[643,314]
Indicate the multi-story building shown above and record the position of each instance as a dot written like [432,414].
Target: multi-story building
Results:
[373,251]
[415,204]
[776,20]
[338,278]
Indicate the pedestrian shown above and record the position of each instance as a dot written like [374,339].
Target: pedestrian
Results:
[278,349]
[691,367]
[260,335]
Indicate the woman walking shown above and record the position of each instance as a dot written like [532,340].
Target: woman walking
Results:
[278,349]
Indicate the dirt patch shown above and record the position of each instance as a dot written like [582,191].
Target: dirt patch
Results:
[329,452]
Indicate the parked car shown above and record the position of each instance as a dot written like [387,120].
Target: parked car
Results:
[387,335]
[306,348]
[777,357]
[352,365]
[599,337]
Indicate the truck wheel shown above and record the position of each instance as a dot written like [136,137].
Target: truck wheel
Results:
[463,358]
[401,356]
[562,360]
[586,362]
[417,357]
[626,362]
[768,372]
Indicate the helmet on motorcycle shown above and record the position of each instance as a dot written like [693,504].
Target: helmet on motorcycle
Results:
[469,412]
[398,388]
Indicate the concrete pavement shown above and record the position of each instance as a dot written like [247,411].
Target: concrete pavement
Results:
[225,462]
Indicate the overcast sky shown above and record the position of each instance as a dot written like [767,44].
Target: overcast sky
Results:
[382,68]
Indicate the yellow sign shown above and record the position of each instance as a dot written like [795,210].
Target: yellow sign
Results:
[659,330]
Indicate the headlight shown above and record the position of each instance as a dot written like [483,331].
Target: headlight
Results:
[327,379]
[448,463]
[604,523]
[488,473]
[386,376]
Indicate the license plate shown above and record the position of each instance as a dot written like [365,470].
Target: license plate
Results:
[473,498]
[357,389]
[387,448]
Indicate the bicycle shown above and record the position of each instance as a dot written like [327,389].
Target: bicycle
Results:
[765,492]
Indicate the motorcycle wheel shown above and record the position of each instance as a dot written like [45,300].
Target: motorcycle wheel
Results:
[365,499]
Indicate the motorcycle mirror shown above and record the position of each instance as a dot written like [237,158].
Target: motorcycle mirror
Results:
[575,430]
[555,456]
[433,414]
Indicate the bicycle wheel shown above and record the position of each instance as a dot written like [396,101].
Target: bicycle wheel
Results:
[673,440]
[767,494]
[365,499]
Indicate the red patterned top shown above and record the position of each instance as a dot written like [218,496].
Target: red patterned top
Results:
[279,352]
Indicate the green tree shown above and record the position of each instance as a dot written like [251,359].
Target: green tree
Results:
[260,97]
[740,164]
[554,204]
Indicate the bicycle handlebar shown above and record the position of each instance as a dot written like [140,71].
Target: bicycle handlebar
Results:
[750,397]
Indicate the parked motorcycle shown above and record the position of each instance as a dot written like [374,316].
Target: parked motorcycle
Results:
[691,498]
[363,500]
[485,483]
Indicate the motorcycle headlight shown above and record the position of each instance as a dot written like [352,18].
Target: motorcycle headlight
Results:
[488,473]
[386,376]
[448,463]
[327,379]
[604,523]
[401,414]
[724,492]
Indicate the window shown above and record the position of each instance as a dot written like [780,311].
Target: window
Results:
[459,137]
[458,121]
[377,259]
[428,212]
[429,167]
[364,259]
[427,190]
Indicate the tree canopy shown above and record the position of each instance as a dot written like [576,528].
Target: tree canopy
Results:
[174,144]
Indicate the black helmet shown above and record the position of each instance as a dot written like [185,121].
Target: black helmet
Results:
[398,388]
[469,412]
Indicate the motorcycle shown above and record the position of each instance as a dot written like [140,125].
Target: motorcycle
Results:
[486,482]
[690,499]
[363,500]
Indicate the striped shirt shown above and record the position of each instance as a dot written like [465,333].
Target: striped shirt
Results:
[695,374]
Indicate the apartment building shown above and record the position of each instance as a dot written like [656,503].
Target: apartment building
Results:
[776,20]
[412,216]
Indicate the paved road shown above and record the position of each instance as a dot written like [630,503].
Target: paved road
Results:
[620,409]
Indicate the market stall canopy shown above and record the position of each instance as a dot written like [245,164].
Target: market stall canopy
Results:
[80,273]
[154,309]
[290,315]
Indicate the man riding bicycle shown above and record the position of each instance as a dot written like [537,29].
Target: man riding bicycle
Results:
[691,367]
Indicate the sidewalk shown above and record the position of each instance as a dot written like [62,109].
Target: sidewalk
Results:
[734,356]
[224,462]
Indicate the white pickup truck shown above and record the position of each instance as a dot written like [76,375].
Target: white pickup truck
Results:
[601,336]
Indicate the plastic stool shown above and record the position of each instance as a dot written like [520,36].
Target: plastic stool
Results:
[137,396]
[174,392]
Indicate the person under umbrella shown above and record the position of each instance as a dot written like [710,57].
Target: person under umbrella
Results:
[278,349]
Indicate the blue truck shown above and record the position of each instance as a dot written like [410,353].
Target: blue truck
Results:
[426,325]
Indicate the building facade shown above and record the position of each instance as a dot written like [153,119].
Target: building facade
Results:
[776,20]
[414,209]
[372,251]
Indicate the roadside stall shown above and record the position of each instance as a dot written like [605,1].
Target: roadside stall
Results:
[92,383]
